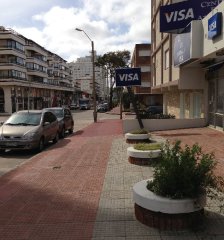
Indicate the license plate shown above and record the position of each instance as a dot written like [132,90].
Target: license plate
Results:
[11,144]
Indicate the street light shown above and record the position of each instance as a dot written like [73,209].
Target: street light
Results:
[94,84]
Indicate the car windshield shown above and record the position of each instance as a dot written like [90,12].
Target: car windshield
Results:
[57,112]
[25,119]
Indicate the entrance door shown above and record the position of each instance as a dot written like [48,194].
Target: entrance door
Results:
[216,103]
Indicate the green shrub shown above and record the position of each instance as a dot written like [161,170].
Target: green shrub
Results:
[183,172]
[147,146]
[145,115]
[139,131]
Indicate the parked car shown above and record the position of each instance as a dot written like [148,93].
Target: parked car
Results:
[29,129]
[73,106]
[156,109]
[65,119]
[102,108]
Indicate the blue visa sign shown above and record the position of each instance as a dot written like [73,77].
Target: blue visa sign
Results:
[182,49]
[175,17]
[128,77]
[215,25]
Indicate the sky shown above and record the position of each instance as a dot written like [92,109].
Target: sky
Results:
[112,24]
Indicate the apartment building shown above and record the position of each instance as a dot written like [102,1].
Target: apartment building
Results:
[141,58]
[187,62]
[31,77]
[82,74]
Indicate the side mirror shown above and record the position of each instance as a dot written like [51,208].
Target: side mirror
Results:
[46,124]
[1,123]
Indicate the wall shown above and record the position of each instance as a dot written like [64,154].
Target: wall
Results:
[163,124]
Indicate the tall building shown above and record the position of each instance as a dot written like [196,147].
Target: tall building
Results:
[31,77]
[187,63]
[141,58]
[183,91]
[82,74]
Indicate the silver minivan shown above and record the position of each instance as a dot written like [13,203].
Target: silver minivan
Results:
[29,129]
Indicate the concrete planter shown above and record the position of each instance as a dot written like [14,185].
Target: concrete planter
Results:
[140,157]
[164,213]
[136,138]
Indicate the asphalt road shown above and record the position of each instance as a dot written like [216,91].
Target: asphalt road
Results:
[12,159]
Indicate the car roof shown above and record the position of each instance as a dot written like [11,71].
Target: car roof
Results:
[30,111]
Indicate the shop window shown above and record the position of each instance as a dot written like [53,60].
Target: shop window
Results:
[195,106]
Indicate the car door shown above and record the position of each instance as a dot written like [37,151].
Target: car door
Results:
[50,126]
[54,127]
[68,119]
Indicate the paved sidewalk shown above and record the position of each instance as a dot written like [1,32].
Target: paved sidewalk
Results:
[81,189]
[55,195]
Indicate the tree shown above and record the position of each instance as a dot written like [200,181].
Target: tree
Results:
[110,61]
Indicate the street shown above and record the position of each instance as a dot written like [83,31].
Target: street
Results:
[82,118]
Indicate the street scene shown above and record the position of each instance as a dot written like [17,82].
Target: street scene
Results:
[112,120]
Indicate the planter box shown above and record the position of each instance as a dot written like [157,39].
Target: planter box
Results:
[136,138]
[164,213]
[139,157]
[163,124]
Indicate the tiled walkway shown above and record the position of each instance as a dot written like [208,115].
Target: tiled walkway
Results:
[56,194]
[115,217]
[81,189]
[209,139]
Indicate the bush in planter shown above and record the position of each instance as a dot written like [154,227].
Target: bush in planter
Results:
[147,146]
[183,173]
[139,131]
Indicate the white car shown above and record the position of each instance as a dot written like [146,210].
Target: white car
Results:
[29,130]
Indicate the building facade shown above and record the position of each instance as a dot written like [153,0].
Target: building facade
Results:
[82,74]
[141,58]
[31,77]
[183,94]
[188,67]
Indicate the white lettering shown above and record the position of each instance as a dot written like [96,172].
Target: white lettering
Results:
[212,26]
[128,77]
[210,3]
[135,77]
[169,17]
[183,14]
[190,14]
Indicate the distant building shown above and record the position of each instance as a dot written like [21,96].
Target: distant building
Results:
[31,77]
[82,74]
[141,58]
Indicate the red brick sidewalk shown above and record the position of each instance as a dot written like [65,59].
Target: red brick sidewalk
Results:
[55,195]
[209,139]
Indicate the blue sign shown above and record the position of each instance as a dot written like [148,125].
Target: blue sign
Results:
[175,17]
[215,25]
[182,48]
[128,77]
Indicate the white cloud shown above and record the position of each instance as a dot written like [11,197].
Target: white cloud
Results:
[113,25]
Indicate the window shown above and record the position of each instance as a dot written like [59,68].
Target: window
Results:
[167,59]
[144,53]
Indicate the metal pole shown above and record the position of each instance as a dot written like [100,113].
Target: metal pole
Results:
[94,85]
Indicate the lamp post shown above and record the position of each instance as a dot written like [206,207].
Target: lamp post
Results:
[93,68]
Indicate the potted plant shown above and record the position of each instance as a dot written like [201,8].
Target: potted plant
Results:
[143,153]
[176,195]
[136,136]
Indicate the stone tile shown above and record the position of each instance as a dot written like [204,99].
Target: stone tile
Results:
[109,229]
[134,228]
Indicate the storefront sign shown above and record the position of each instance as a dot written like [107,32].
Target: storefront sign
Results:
[214,25]
[128,77]
[182,48]
[175,17]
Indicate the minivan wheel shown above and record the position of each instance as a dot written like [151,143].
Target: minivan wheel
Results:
[55,140]
[71,130]
[62,134]
[41,145]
